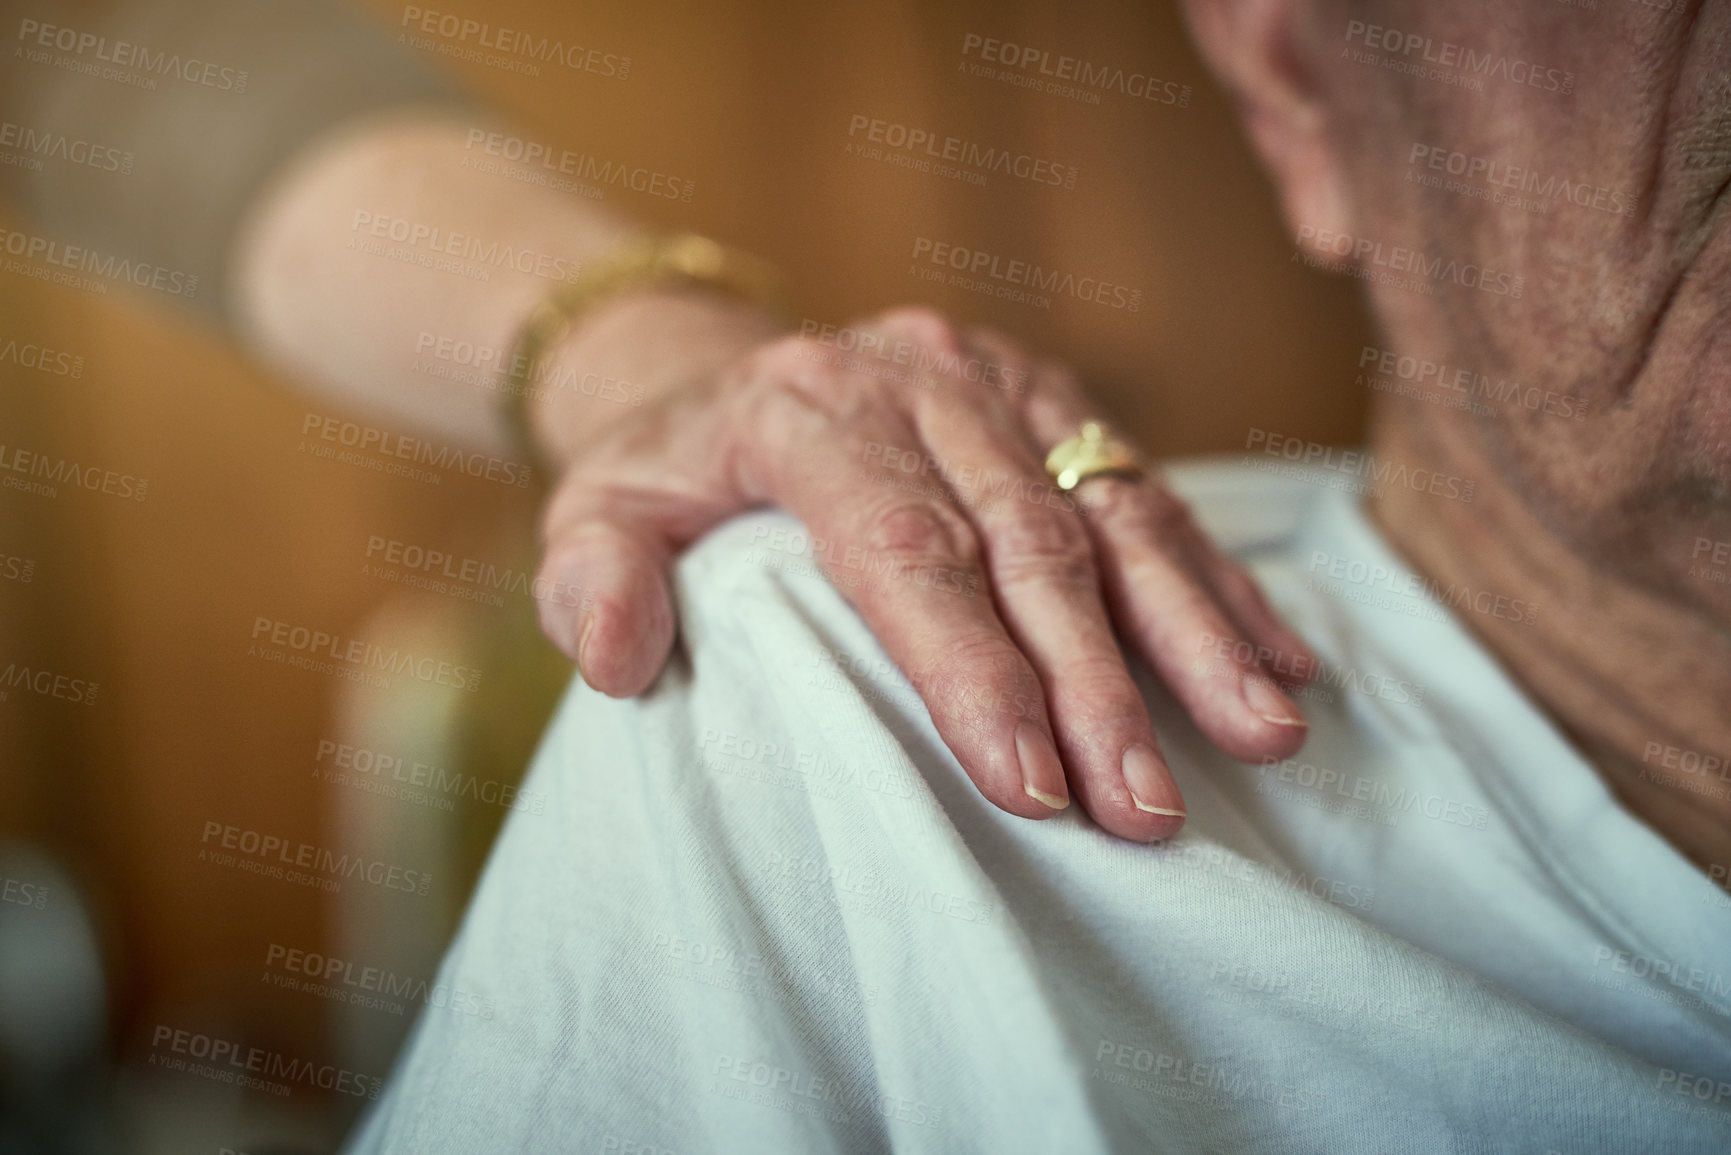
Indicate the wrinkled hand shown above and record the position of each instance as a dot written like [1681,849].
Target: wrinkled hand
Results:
[917,460]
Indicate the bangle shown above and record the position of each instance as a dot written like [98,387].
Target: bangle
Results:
[683,258]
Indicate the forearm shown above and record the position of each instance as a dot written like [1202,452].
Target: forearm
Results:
[385,273]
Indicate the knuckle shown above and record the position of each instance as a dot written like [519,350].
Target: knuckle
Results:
[983,652]
[1140,507]
[1001,345]
[775,360]
[1114,501]
[792,362]
[979,673]
[1040,533]
[920,529]
[574,502]
[792,400]
[925,325]
[584,505]
[1101,684]
[788,353]
[1238,584]
[1051,547]
[1167,514]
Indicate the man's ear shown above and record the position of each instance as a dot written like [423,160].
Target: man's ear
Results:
[1258,51]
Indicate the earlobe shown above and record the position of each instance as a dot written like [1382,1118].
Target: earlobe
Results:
[1257,50]
[1302,162]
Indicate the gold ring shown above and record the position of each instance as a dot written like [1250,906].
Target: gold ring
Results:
[1089,454]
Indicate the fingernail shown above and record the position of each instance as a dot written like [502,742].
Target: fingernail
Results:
[1151,785]
[1269,703]
[1042,773]
[583,641]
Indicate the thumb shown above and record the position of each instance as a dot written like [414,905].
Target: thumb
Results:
[606,602]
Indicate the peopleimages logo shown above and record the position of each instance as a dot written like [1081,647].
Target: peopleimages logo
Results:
[47,683]
[1703,1088]
[1073,70]
[366,986]
[229,1061]
[1468,385]
[1447,56]
[1366,256]
[440,241]
[1330,571]
[360,764]
[921,360]
[38,37]
[982,158]
[494,368]
[306,648]
[800,1092]
[268,854]
[57,471]
[78,259]
[461,31]
[1230,658]
[1362,471]
[36,144]
[31,894]
[1692,980]
[1195,1080]
[1500,177]
[578,165]
[433,569]
[1008,277]
[316,427]
[1374,792]
[41,358]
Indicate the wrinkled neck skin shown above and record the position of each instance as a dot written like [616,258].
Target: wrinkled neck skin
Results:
[1634,667]
[1606,505]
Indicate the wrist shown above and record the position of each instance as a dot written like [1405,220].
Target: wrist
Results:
[630,353]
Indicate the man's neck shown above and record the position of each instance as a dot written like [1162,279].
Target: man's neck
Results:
[1642,684]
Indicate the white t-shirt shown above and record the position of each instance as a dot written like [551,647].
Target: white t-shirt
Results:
[764,910]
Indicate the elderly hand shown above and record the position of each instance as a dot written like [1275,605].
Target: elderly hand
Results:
[917,460]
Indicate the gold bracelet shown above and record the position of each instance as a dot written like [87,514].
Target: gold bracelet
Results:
[681,258]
